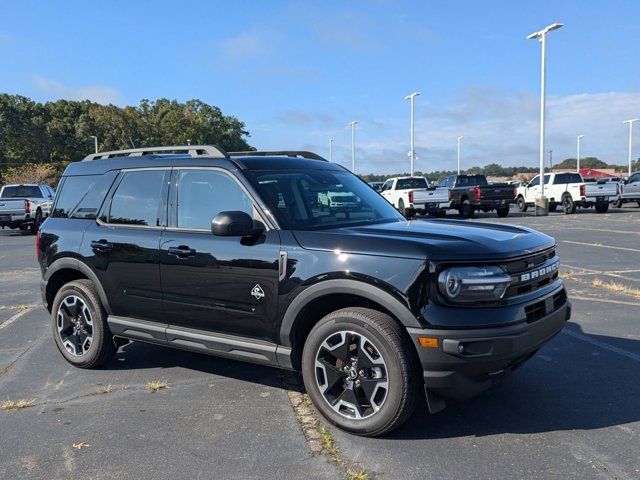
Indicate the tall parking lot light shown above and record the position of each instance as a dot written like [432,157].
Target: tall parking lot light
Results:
[542,37]
[630,122]
[353,145]
[412,152]
[459,141]
[331,150]
[95,140]
[578,154]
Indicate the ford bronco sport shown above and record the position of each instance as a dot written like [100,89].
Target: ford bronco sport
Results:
[231,254]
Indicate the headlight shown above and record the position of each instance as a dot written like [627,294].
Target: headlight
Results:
[473,284]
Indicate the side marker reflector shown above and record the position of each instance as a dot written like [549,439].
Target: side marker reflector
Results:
[427,342]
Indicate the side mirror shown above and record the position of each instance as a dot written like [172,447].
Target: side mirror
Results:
[233,224]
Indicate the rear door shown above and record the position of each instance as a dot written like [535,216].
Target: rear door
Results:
[122,246]
[211,283]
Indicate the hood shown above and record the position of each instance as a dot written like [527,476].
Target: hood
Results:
[431,240]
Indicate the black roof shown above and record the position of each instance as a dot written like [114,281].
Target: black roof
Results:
[100,166]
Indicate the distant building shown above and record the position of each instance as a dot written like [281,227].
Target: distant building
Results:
[591,172]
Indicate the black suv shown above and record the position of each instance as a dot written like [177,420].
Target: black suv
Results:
[232,254]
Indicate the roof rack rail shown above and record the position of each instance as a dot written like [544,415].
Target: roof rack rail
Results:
[191,150]
[287,153]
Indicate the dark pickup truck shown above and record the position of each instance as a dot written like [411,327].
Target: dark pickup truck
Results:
[231,254]
[470,193]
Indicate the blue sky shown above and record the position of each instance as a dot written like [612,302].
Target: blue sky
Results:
[296,72]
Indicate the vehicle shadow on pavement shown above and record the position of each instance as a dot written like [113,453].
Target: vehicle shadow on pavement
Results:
[578,381]
[139,356]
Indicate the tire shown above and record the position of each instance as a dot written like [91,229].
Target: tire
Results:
[395,391]
[521,204]
[502,211]
[618,203]
[101,346]
[568,205]
[466,209]
[441,213]
[602,207]
[553,207]
[36,222]
[401,208]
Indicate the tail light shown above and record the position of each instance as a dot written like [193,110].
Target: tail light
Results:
[38,245]
[410,197]
[515,193]
[27,207]
[450,195]
[476,193]
[582,189]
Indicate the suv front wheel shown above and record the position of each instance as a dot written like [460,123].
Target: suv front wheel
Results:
[361,371]
[80,325]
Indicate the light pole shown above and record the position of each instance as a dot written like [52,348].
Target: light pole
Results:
[331,150]
[578,154]
[95,140]
[542,37]
[630,122]
[353,145]
[459,141]
[412,152]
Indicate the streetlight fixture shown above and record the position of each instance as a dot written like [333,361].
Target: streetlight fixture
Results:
[95,140]
[580,137]
[541,35]
[630,122]
[353,145]
[331,150]
[459,141]
[412,152]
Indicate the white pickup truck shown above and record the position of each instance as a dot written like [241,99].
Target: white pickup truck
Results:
[25,206]
[568,190]
[414,194]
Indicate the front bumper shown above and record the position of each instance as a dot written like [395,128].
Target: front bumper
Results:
[466,362]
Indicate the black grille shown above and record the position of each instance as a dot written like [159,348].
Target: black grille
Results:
[545,307]
[533,263]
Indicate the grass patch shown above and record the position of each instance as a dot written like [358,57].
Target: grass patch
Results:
[156,385]
[358,474]
[19,405]
[327,441]
[599,283]
[107,389]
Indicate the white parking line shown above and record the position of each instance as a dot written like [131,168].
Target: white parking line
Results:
[604,300]
[13,318]
[599,245]
[600,230]
[604,346]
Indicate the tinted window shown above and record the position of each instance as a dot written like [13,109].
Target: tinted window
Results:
[471,181]
[386,185]
[202,194]
[562,178]
[407,183]
[319,199]
[21,191]
[81,196]
[137,199]
[634,178]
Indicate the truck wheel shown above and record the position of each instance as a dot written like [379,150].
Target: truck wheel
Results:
[521,204]
[79,325]
[441,213]
[36,222]
[466,209]
[361,371]
[618,203]
[568,205]
[602,207]
[401,208]
[502,211]
[553,207]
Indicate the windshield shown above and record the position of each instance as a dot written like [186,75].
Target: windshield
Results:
[321,199]
[21,191]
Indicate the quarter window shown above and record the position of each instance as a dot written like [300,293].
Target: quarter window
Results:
[202,194]
[137,199]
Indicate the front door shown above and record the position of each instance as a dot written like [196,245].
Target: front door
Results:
[211,283]
[122,246]
[632,188]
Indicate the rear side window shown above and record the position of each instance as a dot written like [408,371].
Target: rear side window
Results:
[562,178]
[407,183]
[21,191]
[137,199]
[81,196]
[472,181]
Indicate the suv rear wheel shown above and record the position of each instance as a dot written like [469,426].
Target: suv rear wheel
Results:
[80,325]
[361,371]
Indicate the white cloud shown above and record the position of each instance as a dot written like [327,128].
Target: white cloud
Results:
[96,93]
[245,46]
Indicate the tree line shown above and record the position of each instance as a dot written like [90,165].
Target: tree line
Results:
[60,132]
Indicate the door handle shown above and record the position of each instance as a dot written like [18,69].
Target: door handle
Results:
[101,245]
[182,251]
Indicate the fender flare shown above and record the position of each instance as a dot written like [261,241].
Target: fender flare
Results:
[75,264]
[344,286]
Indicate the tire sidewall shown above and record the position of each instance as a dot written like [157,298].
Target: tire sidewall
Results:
[395,391]
[98,318]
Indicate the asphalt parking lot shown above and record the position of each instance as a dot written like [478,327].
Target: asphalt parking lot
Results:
[573,411]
